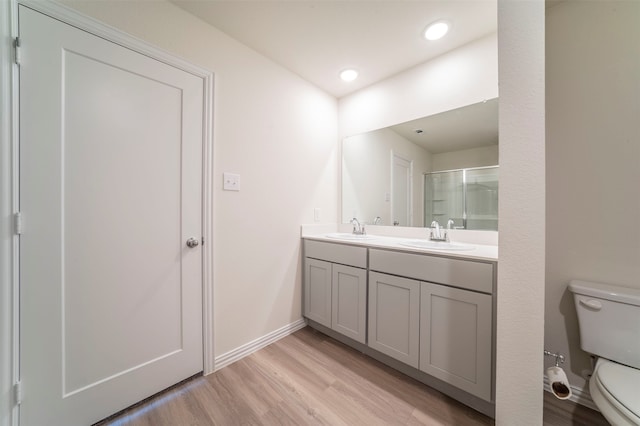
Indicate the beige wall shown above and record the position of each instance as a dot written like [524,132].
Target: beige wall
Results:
[279,133]
[593,160]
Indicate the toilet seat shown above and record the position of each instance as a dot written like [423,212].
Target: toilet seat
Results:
[614,389]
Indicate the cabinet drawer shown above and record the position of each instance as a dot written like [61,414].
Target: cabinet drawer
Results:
[471,275]
[336,253]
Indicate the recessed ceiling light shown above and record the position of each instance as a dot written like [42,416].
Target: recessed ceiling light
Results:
[349,75]
[436,30]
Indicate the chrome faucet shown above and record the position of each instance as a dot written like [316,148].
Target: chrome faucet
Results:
[436,234]
[450,224]
[377,220]
[358,229]
[435,230]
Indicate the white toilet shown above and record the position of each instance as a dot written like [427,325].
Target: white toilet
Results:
[609,318]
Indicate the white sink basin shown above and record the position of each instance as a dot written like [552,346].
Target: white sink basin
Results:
[348,236]
[437,245]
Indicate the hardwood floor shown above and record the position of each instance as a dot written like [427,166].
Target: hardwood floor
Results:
[308,378]
[567,413]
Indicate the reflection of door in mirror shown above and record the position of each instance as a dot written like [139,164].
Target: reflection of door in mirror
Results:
[401,191]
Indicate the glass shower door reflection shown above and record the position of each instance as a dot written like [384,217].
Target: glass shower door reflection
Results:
[444,198]
[482,198]
[469,197]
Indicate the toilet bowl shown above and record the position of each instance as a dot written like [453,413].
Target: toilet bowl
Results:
[615,389]
[609,322]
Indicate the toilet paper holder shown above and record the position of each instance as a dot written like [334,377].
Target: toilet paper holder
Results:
[558,356]
[558,381]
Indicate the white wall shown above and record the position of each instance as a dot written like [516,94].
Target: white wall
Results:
[593,160]
[474,157]
[366,175]
[520,316]
[279,133]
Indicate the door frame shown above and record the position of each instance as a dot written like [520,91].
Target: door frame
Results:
[9,184]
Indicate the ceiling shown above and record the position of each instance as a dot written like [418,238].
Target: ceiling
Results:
[471,126]
[318,39]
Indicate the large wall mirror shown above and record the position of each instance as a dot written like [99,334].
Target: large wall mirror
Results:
[442,167]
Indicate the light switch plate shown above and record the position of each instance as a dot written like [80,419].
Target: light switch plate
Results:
[231,182]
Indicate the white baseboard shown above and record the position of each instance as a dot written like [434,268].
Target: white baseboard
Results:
[255,345]
[578,395]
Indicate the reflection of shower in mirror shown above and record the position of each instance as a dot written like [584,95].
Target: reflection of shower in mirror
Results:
[468,197]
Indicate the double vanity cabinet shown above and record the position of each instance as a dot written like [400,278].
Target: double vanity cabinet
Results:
[431,315]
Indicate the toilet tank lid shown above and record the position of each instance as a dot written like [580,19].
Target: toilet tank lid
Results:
[606,291]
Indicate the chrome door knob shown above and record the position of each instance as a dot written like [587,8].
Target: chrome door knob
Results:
[192,242]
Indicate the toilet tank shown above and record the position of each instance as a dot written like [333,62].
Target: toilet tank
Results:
[609,319]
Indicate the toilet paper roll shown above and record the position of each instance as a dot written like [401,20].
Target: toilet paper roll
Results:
[559,383]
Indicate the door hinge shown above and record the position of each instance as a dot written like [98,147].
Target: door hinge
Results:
[17,393]
[16,50]
[17,223]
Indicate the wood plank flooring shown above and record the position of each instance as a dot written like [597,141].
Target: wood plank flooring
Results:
[308,378]
[566,413]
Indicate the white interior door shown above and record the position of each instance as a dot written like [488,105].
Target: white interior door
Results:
[401,190]
[110,191]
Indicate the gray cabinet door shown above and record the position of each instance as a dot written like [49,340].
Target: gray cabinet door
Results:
[394,316]
[317,291]
[349,307]
[455,337]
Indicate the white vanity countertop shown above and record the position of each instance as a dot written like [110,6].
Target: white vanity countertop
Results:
[479,251]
